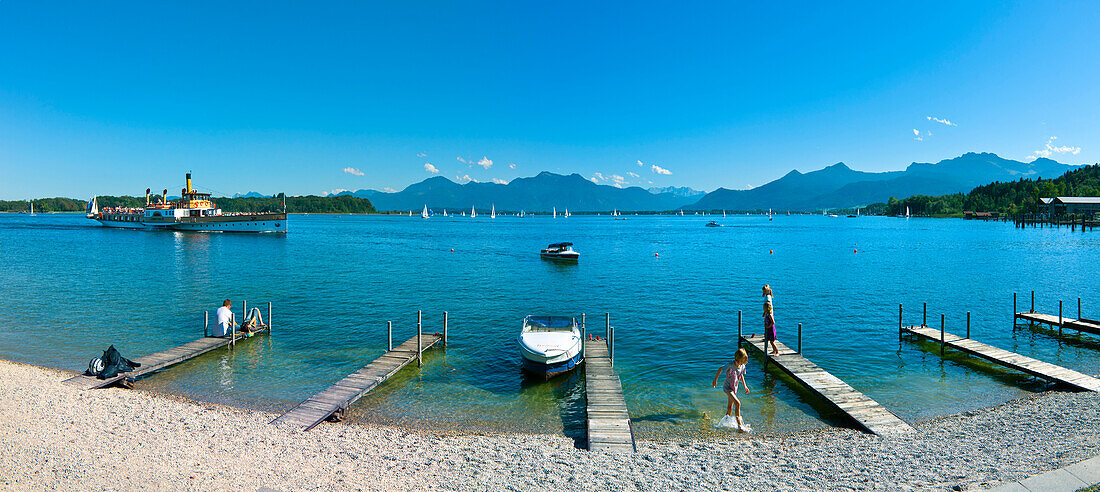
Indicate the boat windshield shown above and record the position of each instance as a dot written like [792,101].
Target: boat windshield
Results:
[549,323]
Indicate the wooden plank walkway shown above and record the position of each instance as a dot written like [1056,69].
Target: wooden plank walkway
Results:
[338,397]
[158,361]
[1011,360]
[1083,325]
[609,427]
[867,413]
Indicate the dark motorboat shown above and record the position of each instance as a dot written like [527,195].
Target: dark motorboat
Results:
[560,252]
[713,224]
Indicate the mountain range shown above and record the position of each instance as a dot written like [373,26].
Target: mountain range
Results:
[835,186]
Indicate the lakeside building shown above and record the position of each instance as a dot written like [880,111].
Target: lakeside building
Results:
[1066,205]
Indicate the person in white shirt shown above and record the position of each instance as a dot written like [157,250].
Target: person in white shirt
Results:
[225,319]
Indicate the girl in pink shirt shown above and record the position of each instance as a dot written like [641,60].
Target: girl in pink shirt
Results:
[735,374]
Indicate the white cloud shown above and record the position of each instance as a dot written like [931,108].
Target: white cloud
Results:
[461,160]
[485,162]
[499,181]
[660,170]
[352,170]
[333,192]
[421,154]
[628,173]
[465,179]
[513,166]
[1050,150]
[617,180]
[597,177]
[594,180]
[944,121]
[915,132]
[389,190]
[430,168]
[640,164]
[917,137]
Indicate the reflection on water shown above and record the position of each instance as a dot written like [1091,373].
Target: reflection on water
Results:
[71,288]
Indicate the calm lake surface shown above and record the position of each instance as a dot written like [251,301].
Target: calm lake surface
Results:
[72,287]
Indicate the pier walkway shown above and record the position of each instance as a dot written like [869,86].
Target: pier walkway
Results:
[609,427]
[1082,325]
[867,413]
[1008,359]
[334,400]
[160,360]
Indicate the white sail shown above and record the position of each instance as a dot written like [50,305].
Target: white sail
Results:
[723,213]
[907,211]
[424,214]
[522,213]
[567,212]
[473,212]
[93,207]
[463,213]
[493,213]
[32,206]
[555,212]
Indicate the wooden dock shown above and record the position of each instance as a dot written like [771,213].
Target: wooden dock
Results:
[609,427]
[1008,359]
[334,400]
[160,360]
[1082,325]
[865,412]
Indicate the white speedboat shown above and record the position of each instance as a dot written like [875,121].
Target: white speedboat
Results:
[550,345]
[560,252]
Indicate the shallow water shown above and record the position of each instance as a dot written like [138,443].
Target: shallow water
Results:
[72,287]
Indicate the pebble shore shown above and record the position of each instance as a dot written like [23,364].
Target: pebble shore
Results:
[57,437]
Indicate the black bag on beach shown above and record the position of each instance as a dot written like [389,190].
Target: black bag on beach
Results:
[113,363]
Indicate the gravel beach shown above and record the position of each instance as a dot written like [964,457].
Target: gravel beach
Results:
[57,437]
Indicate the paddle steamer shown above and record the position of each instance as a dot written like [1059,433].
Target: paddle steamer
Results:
[192,212]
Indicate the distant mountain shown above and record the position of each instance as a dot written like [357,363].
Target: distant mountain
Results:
[838,186]
[540,193]
[682,191]
[251,194]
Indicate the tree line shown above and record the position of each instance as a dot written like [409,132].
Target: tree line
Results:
[345,204]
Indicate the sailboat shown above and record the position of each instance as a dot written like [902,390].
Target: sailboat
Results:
[410,213]
[555,212]
[424,214]
[463,213]
[473,212]
[723,213]
[681,212]
[93,208]
[770,214]
[615,213]
[32,206]
[907,211]
[493,213]
[522,213]
[567,214]
[444,212]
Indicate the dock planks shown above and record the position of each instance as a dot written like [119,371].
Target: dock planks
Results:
[609,427]
[1008,359]
[343,393]
[867,413]
[1082,325]
[160,360]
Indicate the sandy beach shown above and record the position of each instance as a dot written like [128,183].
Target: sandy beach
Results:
[57,437]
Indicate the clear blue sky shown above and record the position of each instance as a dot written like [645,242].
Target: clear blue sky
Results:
[115,97]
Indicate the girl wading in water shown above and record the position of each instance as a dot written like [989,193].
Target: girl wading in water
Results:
[735,373]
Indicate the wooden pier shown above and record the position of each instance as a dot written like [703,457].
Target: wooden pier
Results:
[334,400]
[1008,359]
[609,427]
[865,412]
[1081,324]
[160,360]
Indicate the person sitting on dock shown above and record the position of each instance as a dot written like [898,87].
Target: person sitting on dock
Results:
[225,319]
[735,374]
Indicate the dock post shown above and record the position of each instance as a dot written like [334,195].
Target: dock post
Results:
[611,347]
[899,320]
[943,344]
[968,325]
[924,320]
[800,339]
[389,336]
[1078,309]
[739,328]
[244,311]
[419,330]
[232,330]
[1014,311]
[206,323]
[584,335]
[607,325]
[1032,302]
[1059,318]
[269,318]
[444,328]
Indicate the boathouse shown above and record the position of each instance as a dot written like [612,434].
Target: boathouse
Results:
[1066,205]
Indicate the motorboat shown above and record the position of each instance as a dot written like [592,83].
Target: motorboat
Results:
[713,224]
[550,345]
[560,252]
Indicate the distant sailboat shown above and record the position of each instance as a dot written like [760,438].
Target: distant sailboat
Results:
[615,213]
[32,206]
[444,212]
[770,214]
[567,213]
[723,213]
[493,213]
[410,213]
[424,214]
[907,211]
[93,208]
[555,212]
[473,212]
[522,213]
[463,213]
[681,212]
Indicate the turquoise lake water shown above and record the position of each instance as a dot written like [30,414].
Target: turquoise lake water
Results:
[72,287]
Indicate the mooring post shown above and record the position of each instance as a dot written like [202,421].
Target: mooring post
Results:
[611,347]
[1059,318]
[738,328]
[419,330]
[899,320]
[943,343]
[269,318]
[968,325]
[1078,309]
[800,339]
[444,328]
[232,329]
[389,336]
[584,336]
[245,311]
[924,320]
[206,323]
[1032,302]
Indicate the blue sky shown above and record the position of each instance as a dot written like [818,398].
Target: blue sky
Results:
[115,97]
